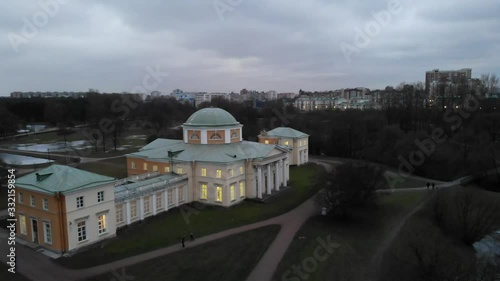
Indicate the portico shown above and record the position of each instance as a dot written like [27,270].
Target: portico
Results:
[270,176]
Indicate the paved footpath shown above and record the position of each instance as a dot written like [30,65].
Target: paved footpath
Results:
[39,267]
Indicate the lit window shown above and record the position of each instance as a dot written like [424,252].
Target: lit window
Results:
[241,170]
[167,169]
[232,193]
[242,189]
[145,166]
[170,195]
[82,231]
[179,170]
[47,231]
[132,164]
[22,228]
[32,201]
[119,214]
[218,194]
[100,196]
[45,204]
[155,168]
[159,202]
[79,202]
[21,197]
[181,194]
[231,172]
[133,209]
[204,192]
[101,224]
[266,142]
[219,174]
[286,142]
[146,205]
[203,172]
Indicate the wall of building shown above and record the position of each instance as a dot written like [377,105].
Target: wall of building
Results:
[51,215]
[89,213]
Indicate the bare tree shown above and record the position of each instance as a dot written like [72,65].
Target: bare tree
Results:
[489,82]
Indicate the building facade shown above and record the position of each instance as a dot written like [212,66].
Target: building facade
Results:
[221,168]
[296,142]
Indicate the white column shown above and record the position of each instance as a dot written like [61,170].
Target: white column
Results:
[165,200]
[154,203]
[285,172]
[259,182]
[176,196]
[269,179]
[141,208]
[127,208]
[277,174]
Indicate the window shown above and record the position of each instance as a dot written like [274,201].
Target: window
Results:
[32,201]
[232,193]
[79,202]
[100,196]
[155,168]
[219,174]
[119,214]
[241,170]
[203,172]
[45,204]
[22,225]
[133,209]
[47,231]
[234,135]
[231,173]
[21,197]
[132,164]
[82,231]
[216,136]
[286,142]
[179,170]
[181,194]
[159,202]
[101,224]
[146,205]
[167,169]
[242,189]
[194,136]
[218,194]
[204,193]
[145,166]
[266,142]
[170,195]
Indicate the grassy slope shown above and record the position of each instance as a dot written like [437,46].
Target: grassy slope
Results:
[227,259]
[358,240]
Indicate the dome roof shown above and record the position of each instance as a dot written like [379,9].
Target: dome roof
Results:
[211,117]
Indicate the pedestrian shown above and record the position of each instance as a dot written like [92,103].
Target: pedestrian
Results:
[191,237]
[182,241]
[428,185]
[433,185]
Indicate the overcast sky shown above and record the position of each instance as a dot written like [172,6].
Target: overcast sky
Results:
[228,45]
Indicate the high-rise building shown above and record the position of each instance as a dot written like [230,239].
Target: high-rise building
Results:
[449,80]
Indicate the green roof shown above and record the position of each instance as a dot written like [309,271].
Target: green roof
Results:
[60,178]
[211,117]
[215,153]
[286,132]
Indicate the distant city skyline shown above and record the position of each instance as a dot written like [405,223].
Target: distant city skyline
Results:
[225,46]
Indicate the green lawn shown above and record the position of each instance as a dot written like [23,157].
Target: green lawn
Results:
[166,229]
[116,167]
[227,259]
[358,240]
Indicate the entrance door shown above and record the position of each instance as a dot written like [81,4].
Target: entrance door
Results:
[34,228]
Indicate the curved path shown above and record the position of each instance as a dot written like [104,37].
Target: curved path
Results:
[38,267]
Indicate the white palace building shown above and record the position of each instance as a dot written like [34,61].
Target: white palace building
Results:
[62,208]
